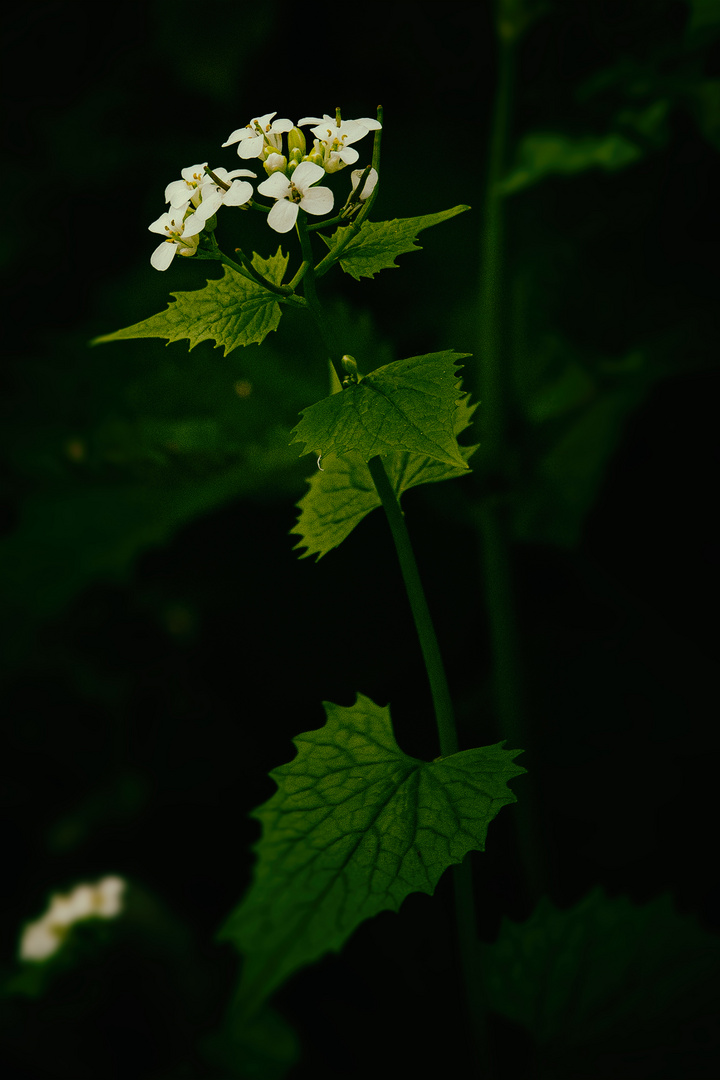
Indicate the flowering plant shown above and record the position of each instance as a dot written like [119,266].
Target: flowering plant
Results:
[355,824]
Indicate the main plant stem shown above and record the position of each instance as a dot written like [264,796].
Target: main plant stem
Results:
[468,942]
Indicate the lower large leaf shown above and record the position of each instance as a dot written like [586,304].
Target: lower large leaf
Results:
[354,827]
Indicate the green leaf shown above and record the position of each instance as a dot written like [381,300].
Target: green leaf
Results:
[605,973]
[378,243]
[408,405]
[341,495]
[231,311]
[354,827]
[542,155]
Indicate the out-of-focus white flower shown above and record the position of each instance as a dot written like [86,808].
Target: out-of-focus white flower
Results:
[180,236]
[44,937]
[294,193]
[262,136]
[368,186]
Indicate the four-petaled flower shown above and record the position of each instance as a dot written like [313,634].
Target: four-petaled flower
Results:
[333,139]
[180,236]
[261,136]
[294,193]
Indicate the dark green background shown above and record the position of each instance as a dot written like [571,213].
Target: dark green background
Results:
[154,672]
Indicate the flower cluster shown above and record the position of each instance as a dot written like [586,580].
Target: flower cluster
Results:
[292,178]
[44,937]
[193,201]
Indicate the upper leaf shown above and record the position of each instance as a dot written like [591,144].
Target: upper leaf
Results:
[343,493]
[379,242]
[231,311]
[407,405]
[354,827]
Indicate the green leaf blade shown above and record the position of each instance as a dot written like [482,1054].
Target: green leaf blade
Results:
[342,494]
[408,405]
[354,827]
[378,243]
[231,311]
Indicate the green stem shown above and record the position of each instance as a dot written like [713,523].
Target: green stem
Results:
[353,228]
[444,714]
[250,271]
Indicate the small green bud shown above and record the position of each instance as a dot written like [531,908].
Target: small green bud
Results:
[349,364]
[317,158]
[296,141]
[292,166]
[296,155]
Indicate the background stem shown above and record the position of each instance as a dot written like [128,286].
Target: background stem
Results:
[494,390]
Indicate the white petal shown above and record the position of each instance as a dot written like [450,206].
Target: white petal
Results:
[251,147]
[193,171]
[371,125]
[162,256]
[318,200]
[163,221]
[237,134]
[283,215]
[240,192]
[177,193]
[307,173]
[311,120]
[276,186]
[368,186]
[195,223]
[228,176]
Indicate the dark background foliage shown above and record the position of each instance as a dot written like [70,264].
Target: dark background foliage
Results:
[162,642]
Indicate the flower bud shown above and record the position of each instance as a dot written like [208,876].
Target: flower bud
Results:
[349,364]
[296,141]
[275,163]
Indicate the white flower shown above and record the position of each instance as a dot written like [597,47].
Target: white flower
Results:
[199,190]
[333,139]
[182,236]
[237,193]
[180,192]
[368,186]
[45,936]
[261,136]
[294,193]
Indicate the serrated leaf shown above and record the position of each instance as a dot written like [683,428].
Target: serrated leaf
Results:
[378,243]
[231,311]
[354,827]
[603,972]
[343,494]
[408,405]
